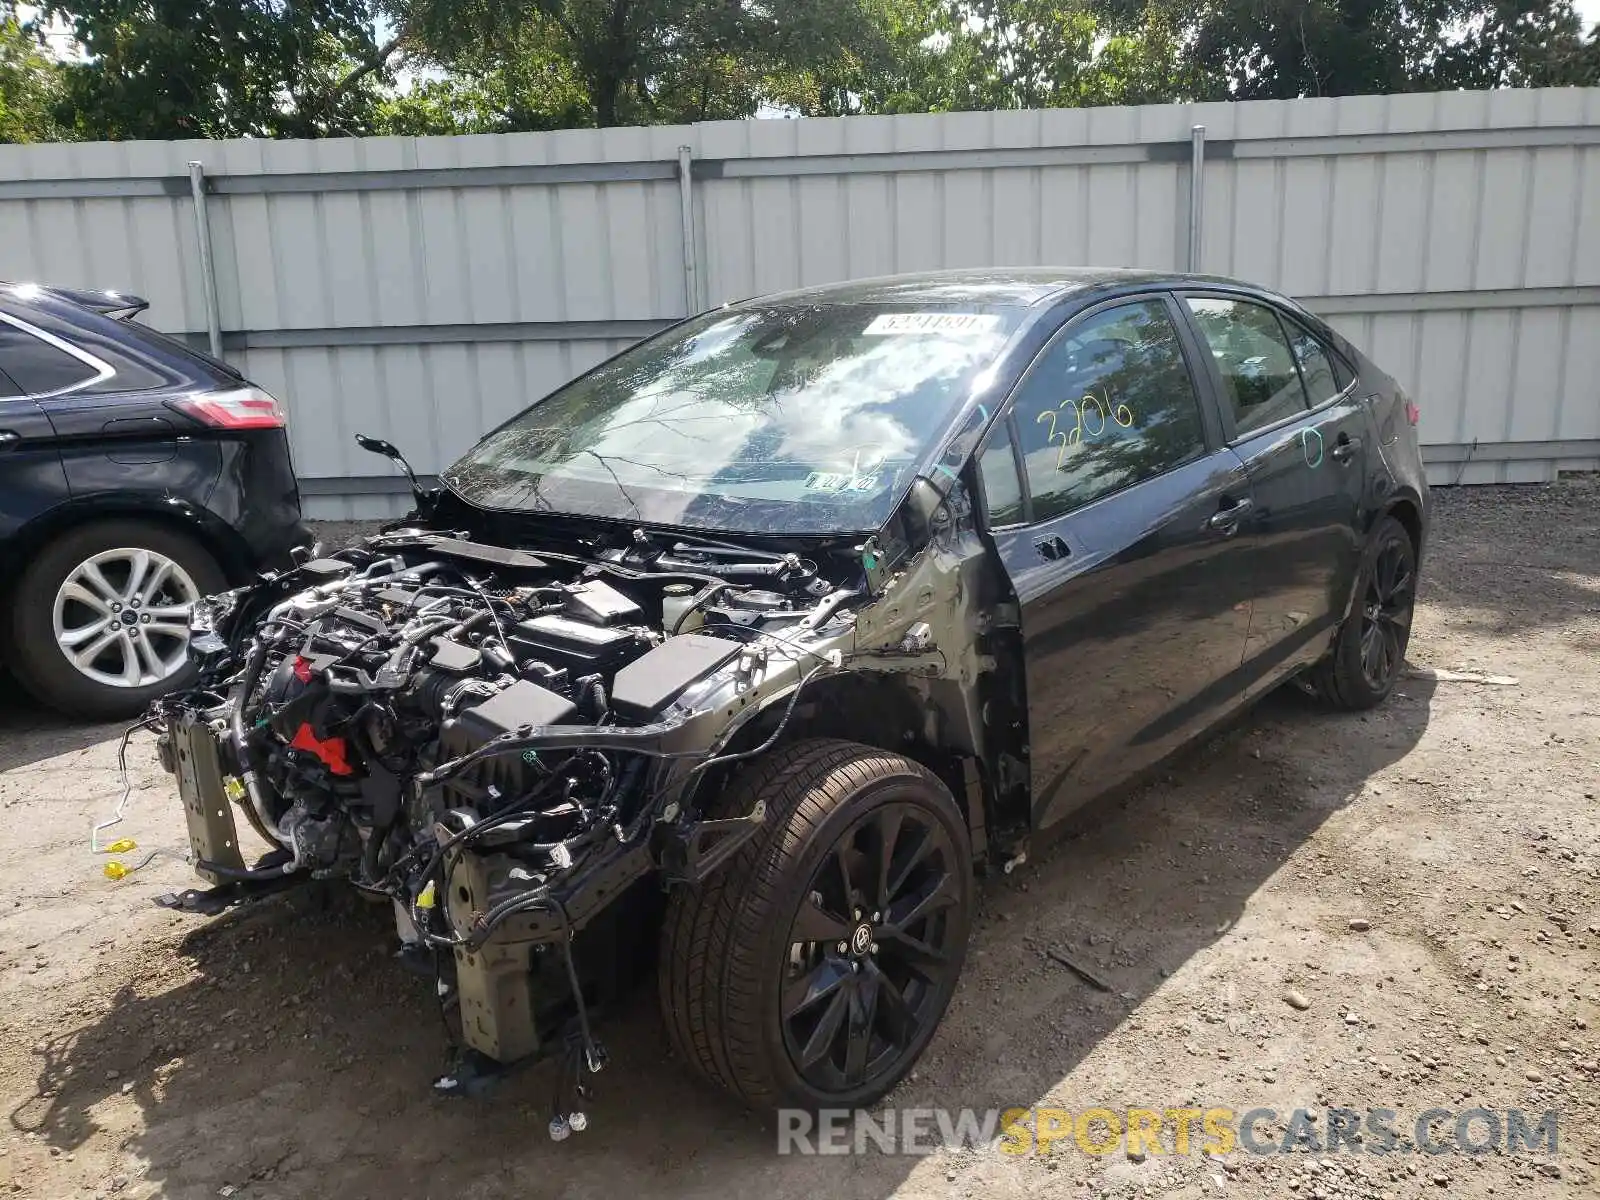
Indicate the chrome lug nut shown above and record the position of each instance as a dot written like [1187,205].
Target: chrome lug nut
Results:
[844,947]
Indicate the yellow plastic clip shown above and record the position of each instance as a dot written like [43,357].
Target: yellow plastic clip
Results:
[233,788]
[115,870]
[120,846]
[426,897]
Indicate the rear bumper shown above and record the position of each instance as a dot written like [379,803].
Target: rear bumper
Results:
[258,497]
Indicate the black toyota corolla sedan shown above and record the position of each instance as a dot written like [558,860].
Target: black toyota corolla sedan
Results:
[800,609]
[136,475]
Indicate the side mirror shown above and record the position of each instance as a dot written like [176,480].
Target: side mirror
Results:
[378,446]
[389,450]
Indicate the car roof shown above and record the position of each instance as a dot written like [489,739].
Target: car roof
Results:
[1006,286]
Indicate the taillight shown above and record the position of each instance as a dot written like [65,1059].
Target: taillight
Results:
[1413,413]
[246,408]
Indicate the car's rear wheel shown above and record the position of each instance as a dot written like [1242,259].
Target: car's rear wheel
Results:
[1370,650]
[814,968]
[99,622]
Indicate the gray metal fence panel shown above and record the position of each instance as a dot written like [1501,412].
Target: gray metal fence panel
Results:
[424,289]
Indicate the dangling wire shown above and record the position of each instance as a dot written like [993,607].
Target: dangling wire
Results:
[127,786]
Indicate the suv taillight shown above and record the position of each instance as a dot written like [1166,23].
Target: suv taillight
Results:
[246,408]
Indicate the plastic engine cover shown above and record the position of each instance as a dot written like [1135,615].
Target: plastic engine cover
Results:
[648,684]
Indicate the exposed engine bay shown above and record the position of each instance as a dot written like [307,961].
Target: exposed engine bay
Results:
[374,709]
[500,741]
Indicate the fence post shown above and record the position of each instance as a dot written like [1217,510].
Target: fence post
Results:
[1197,178]
[691,261]
[208,274]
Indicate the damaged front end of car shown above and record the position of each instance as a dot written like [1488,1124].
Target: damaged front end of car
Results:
[503,742]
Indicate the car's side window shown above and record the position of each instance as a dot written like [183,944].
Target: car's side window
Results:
[1320,369]
[1252,355]
[1343,374]
[1002,487]
[36,366]
[1109,403]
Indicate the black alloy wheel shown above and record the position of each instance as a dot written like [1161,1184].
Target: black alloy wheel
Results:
[1386,613]
[812,970]
[1370,647]
[871,961]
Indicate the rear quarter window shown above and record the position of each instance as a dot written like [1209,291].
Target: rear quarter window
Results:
[139,358]
[37,367]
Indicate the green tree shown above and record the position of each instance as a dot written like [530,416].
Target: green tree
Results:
[30,84]
[912,67]
[1513,43]
[953,55]
[310,68]
[1266,49]
[1041,54]
[221,68]
[641,61]
[521,83]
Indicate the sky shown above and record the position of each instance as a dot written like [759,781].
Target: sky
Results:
[1589,10]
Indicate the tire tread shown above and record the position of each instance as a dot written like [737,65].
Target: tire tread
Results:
[1337,680]
[710,977]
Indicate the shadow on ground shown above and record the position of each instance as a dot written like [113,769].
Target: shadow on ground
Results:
[30,733]
[297,1060]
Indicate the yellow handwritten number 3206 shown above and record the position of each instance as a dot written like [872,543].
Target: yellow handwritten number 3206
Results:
[1091,415]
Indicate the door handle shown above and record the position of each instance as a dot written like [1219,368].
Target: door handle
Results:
[1345,448]
[1053,548]
[1226,520]
[9,438]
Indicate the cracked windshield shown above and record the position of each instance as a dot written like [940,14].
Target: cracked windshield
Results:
[785,420]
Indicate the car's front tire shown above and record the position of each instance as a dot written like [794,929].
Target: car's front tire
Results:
[813,969]
[98,626]
[1370,649]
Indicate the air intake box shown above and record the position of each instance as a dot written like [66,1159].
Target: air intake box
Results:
[522,703]
[581,648]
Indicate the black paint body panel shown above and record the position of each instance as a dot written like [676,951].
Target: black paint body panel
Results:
[1153,627]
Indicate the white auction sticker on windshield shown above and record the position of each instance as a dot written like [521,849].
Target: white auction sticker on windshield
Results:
[830,481]
[948,323]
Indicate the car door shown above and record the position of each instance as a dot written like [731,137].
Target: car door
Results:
[1113,506]
[1290,411]
[32,479]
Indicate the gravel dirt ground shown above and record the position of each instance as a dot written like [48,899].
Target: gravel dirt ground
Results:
[1422,883]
